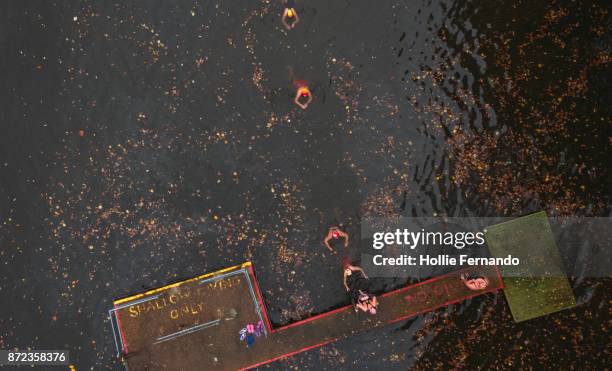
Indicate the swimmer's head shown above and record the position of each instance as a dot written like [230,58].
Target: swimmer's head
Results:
[290,13]
[348,271]
[335,234]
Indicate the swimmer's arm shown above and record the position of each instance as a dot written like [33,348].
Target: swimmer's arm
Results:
[346,237]
[361,270]
[326,242]
[297,19]
[361,306]
[345,285]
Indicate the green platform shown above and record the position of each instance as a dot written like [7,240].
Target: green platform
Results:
[538,286]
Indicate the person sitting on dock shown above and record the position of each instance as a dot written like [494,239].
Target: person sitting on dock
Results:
[335,233]
[357,285]
[475,281]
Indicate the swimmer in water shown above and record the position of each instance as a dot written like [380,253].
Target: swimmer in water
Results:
[335,233]
[290,18]
[357,285]
[474,282]
[303,97]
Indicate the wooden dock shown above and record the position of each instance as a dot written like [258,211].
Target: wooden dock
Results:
[195,324]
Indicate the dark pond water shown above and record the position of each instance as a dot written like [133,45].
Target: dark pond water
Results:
[147,141]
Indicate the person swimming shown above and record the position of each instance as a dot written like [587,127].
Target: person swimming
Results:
[357,285]
[474,282]
[335,233]
[303,97]
[290,17]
